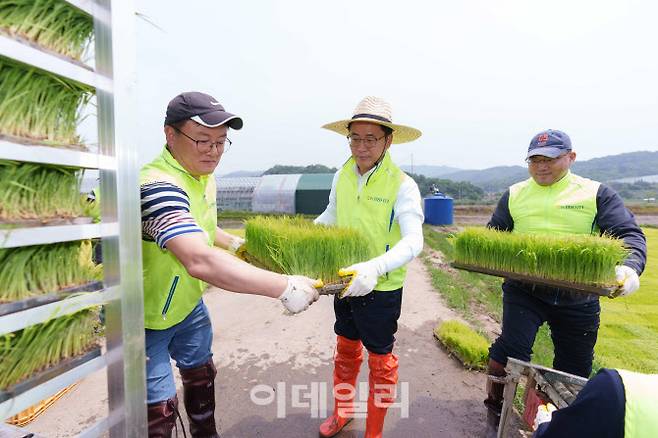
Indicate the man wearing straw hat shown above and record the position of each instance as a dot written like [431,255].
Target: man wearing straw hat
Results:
[180,233]
[370,193]
[555,201]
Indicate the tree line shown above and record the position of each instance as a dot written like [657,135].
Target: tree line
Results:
[461,190]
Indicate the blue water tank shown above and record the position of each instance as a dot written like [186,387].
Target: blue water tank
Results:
[438,209]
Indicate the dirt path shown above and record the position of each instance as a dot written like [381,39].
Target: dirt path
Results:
[256,345]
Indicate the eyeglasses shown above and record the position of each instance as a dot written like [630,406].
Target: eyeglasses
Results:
[205,146]
[369,141]
[537,160]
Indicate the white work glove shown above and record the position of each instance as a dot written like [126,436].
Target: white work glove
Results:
[364,278]
[235,243]
[627,280]
[299,294]
[544,414]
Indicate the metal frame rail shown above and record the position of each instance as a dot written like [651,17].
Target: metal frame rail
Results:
[114,81]
[561,387]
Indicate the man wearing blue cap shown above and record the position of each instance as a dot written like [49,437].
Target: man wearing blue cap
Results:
[554,200]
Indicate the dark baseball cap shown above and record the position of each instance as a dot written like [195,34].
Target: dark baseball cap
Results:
[550,143]
[201,108]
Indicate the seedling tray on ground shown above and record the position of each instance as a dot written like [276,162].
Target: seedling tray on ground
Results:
[455,353]
[604,291]
[47,374]
[17,306]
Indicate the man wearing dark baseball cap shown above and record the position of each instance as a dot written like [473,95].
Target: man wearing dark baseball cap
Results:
[179,236]
[202,109]
[555,201]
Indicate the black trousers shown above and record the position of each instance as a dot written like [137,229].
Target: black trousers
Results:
[372,318]
[573,319]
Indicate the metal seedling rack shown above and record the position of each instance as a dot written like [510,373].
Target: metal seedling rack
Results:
[113,78]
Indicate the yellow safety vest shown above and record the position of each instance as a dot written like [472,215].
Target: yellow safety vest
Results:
[170,293]
[371,211]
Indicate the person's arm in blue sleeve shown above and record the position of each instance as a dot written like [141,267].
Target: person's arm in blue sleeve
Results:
[502,219]
[614,219]
[598,411]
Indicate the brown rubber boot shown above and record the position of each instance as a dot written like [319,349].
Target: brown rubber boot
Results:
[199,398]
[494,402]
[382,381]
[162,418]
[347,362]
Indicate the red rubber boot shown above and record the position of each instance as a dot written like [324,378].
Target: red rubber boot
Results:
[347,362]
[383,379]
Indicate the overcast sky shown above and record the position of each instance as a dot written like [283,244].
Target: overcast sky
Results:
[478,78]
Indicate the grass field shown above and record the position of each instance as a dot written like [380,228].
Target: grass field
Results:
[628,337]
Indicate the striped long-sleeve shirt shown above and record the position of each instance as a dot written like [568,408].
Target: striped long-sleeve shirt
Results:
[165,213]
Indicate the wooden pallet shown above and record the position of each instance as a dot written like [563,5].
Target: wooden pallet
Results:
[28,415]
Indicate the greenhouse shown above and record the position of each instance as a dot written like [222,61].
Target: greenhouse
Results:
[289,194]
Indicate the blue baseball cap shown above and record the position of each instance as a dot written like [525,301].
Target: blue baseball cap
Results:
[550,143]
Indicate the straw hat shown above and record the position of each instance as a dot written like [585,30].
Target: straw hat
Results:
[375,110]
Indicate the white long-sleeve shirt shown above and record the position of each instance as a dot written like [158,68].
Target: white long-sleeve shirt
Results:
[407,211]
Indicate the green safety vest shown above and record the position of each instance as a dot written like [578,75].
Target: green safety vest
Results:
[565,207]
[641,417]
[170,293]
[371,211]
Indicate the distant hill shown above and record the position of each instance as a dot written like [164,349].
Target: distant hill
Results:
[241,173]
[605,169]
[287,170]
[493,179]
[618,166]
[430,171]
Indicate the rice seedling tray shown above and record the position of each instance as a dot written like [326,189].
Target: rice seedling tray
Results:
[37,142]
[18,38]
[604,291]
[297,246]
[48,374]
[32,223]
[18,306]
[459,340]
[332,288]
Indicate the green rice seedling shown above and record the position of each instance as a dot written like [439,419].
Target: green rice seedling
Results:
[470,347]
[29,271]
[53,24]
[35,348]
[39,191]
[293,245]
[40,106]
[573,259]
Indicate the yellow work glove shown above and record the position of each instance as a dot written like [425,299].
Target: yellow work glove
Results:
[628,281]
[364,278]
